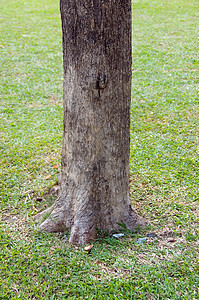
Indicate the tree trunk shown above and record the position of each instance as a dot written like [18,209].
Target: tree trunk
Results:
[94,190]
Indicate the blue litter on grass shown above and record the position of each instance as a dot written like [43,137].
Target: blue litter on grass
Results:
[151,235]
[65,239]
[141,241]
[118,235]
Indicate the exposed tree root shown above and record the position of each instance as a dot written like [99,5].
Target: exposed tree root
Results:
[40,215]
[82,233]
[82,230]
[55,222]
[134,220]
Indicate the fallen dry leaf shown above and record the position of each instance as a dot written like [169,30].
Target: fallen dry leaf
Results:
[39,199]
[172,241]
[55,166]
[88,248]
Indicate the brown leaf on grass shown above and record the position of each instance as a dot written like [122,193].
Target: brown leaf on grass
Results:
[47,177]
[39,199]
[88,248]
[55,166]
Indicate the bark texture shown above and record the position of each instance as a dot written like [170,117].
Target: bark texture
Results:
[97,93]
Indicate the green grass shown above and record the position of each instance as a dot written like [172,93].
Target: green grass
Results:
[164,163]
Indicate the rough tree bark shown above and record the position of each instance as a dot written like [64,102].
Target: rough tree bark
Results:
[97,92]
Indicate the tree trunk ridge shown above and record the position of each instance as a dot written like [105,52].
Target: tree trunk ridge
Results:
[94,190]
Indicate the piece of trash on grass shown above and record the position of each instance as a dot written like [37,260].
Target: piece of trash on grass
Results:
[118,235]
[151,235]
[141,241]
[65,238]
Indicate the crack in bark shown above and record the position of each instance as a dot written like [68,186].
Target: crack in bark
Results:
[101,82]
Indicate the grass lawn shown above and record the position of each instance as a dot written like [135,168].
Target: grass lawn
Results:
[164,163]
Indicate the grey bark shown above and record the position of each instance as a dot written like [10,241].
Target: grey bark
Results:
[97,54]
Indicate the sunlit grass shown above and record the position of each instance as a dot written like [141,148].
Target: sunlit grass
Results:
[164,164]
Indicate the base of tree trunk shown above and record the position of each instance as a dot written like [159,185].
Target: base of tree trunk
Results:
[83,231]
[97,61]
